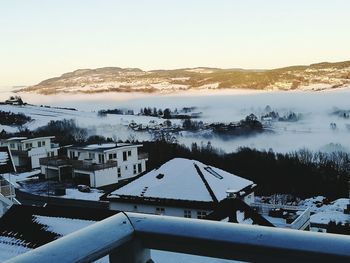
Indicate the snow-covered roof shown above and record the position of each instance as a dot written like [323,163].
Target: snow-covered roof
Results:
[16,139]
[26,139]
[100,146]
[184,179]
[103,147]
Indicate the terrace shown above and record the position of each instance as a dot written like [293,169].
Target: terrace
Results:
[284,216]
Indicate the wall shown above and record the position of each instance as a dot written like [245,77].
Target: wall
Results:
[248,199]
[150,209]
[105,177]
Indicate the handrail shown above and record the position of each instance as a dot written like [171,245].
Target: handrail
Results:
[85,245]
[191,236]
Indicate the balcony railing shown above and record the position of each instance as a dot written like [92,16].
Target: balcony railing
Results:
[81,165]
[7,189]
[142,156]
[128,237]
[55,161]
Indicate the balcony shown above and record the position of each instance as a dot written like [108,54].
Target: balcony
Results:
[19,153]
[128,237]
[91,167]
[142,156]
[56,161]
[284,216]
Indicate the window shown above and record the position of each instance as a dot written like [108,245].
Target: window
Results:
[129,153]
[135,171]
[12,145]
[91,155]
[126,167]
[112,156]
[140,167]
[214,173]
[39,144]
[29,145]
[201,214]
[43,143]
[187,213]
[160,210]
[119,172]
[101,158]
[125,157]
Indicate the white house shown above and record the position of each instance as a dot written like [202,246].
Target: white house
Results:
[97,165]
[26,152]
[181,187]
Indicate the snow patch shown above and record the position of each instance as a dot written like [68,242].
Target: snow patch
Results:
[61,225]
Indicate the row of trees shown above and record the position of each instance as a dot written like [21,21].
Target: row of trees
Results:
[13,119]
[302,173]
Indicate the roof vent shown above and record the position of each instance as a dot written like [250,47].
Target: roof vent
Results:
[160,176]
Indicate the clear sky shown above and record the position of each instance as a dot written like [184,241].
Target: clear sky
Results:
[45,38]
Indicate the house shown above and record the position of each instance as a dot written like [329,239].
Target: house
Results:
[26,152]
[96,165]
[183,188]
[7,191]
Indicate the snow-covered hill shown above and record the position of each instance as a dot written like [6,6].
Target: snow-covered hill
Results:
[322,76]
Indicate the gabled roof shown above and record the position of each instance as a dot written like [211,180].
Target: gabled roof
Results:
[183,179]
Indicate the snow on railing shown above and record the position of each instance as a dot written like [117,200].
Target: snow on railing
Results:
[128,237]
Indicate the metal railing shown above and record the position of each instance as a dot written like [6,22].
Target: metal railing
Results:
[7,189]
[142,156]
[128,237]
[301,221]
[81,165]
[55,161]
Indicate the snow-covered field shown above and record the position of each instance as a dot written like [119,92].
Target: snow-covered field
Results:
[313,131]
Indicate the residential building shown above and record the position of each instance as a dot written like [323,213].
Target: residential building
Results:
[181,187]
[97,165]
[26,152]
[191,189]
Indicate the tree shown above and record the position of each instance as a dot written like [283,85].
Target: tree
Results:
[167,114]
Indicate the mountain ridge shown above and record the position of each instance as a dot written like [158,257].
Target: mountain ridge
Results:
[317,76]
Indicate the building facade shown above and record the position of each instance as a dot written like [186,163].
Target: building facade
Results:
[97,165]
[180,187]
[26,152]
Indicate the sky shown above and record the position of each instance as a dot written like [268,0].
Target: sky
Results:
[43,39]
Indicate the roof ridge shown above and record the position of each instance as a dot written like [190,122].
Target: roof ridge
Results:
[201,175]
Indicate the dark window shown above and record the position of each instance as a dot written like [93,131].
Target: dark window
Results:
[129,153]
[125,157]
[140,168]
[201,214]
[160,210]
[187,213]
